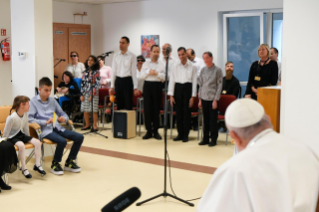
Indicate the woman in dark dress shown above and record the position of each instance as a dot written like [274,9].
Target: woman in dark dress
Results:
[8,162]
[263,72]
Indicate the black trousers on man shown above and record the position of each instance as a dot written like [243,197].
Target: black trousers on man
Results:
[152,93]
[210,121]
[182,95]
[124,93]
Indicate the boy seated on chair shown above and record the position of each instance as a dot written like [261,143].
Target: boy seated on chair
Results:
[42,109]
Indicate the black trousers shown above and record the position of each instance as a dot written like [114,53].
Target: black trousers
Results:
[182,95]
[210,121]
[152,93]
[124,93]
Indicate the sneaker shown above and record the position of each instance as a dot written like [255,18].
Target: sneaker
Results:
[71,166]
[56,168]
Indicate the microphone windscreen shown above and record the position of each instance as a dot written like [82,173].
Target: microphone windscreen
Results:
[123,201]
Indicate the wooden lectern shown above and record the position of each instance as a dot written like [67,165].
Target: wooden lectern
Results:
[269,98]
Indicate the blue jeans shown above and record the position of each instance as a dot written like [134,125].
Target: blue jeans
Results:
[59,138]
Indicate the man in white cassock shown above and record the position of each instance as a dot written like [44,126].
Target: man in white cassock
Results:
[271,173]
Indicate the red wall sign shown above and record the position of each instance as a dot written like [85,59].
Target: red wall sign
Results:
[3,32]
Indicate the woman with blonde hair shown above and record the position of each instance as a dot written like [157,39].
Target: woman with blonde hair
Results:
[17,132]
[263,72]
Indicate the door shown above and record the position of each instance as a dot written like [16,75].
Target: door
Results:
[80,41]
[60,51]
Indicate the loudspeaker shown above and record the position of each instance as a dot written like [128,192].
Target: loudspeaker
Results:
[124,124]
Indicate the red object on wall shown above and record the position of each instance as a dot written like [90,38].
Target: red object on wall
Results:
[5,49]
[3,32]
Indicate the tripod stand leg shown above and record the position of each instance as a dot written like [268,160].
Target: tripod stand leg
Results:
[140,203]
[181,200]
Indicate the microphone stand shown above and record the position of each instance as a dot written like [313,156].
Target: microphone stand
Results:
[91,120]
[56,66]
[165,193]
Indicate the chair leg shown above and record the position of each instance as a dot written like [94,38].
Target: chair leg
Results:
[140,120]
[29,157]
[42,158]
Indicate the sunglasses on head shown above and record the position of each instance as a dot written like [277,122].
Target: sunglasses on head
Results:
[140,60]
[73,55]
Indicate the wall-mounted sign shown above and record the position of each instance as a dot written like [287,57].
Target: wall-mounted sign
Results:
[78,33]
[3,32]
[58,32]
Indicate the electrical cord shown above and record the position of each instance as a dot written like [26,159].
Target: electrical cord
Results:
[170,178]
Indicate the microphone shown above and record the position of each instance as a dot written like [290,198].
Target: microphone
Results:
[123,201]
[107,53]
[60,59]
[168,50]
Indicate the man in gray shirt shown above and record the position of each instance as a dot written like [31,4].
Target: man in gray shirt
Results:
[210,83]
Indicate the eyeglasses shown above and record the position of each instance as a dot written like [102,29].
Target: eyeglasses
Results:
[73,55]
[140,60]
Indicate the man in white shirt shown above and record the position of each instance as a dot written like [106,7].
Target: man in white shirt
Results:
[182,89]
[153,73]
[123,76]
[270,173]
[274,56]
[198,62]
[171,60]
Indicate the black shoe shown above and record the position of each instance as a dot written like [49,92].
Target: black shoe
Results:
[4,186]
[157,136]
[56,168]
[203,143]
[28,175]
[185,140]
[178,138]
[71,166]
[37,168]
[86,128]
[147,136]
[212,144]
[95,130]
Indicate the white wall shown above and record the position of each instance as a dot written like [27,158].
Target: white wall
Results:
[23,39]
[63,13]
[300,98]
[5,67]
[190,23]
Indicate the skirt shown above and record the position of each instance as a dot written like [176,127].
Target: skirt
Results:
[19,137]
[86,104]
[8,158]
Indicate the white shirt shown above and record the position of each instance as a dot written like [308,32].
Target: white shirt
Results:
[157,66]
[273,174]
[140,80]
[199,63]
[183,74]
[15,124]
[76,70]
[124,66]
[171,63]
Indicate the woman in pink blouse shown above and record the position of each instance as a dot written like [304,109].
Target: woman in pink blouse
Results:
[105,73]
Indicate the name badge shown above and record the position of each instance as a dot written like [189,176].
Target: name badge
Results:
[224,92]
[257,78]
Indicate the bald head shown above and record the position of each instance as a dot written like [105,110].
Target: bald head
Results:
[164,47]
[190,54]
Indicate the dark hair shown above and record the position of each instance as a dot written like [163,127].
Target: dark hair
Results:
[154,47]
[69,74]
[45,81]
[181,48]
[126,38]
[140,57]
[192,51]
[208,53]
[96,66]
[74,52]
[276,50]
[17,101]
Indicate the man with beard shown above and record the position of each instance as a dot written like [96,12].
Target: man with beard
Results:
[231,84]
[153,73]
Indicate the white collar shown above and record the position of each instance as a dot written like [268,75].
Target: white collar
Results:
[258,136]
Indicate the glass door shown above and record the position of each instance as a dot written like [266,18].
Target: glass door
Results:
[243,33]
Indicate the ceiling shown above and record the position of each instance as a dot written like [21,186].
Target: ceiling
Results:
[98,1]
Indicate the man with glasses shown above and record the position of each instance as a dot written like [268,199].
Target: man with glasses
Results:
[140,81]
[123,77]
[75,67]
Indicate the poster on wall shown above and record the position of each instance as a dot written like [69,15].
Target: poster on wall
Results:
[147,41]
